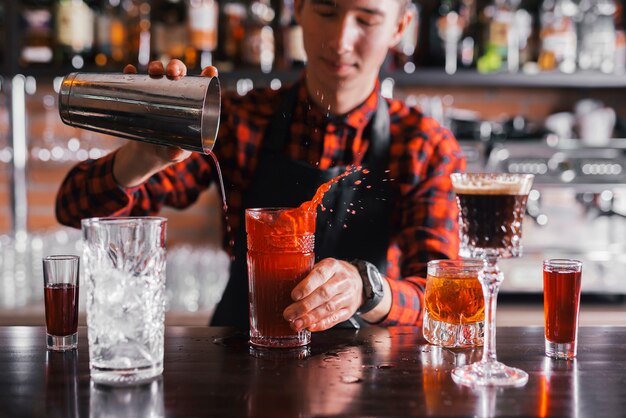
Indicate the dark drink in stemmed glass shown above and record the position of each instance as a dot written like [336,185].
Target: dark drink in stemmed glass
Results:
[491,210]
[493,221]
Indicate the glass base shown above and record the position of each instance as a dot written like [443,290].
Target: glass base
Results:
[296,353]
[565,351]
[297,340]
[124,377]
[489,374]
[62,343]
[449,335]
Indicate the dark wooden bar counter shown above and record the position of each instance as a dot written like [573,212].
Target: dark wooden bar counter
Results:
[372,372]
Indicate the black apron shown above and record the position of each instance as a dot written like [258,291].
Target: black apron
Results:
[282,182]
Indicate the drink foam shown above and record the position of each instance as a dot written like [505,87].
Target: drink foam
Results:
[492,184]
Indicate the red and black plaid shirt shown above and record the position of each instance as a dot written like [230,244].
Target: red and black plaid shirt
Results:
[423,155]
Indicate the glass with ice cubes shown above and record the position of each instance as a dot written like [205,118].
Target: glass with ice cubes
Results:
[124,262]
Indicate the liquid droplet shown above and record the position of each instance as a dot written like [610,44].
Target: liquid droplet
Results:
[351,379]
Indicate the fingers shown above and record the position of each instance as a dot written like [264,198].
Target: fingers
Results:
[130,69]
[329,295]
[209,71]
[175,69]
[155,68]
[318,276]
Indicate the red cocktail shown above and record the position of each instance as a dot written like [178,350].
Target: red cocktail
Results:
[280,253]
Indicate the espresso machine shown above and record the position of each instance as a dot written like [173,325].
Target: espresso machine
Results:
[577,209]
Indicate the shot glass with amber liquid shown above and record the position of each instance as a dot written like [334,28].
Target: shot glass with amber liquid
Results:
[454,304]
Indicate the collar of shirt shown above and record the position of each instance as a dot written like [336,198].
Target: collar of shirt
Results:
[347,130]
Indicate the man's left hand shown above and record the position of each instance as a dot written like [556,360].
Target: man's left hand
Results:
[331,293]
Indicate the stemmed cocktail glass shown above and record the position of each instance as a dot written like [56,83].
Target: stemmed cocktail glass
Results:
[491,208]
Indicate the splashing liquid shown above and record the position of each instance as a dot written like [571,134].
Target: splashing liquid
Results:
[297,214]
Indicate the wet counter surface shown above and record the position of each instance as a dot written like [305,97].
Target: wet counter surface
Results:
[371,372]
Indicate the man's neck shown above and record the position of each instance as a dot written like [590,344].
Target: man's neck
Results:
[338,101]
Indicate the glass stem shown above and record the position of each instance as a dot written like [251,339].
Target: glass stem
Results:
[490,279]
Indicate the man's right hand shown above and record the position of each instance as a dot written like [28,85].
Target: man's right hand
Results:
[135,162]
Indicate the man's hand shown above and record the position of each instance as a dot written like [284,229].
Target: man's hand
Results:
[331,293]
[135,162]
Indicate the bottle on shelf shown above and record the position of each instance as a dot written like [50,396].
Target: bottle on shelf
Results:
[292,42]
[597,34]
[111,35]
[447,27]
[231,35]
[139,32]
[169,30]
[468,45]
[36,21]
[403,53]
[558,36]
[75,22]
[202,26]
[2,34]
[258,47]
[620,40]
[508,30]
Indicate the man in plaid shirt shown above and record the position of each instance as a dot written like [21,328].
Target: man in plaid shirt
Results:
[276,147]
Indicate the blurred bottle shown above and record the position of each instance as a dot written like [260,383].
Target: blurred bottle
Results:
[258,47]
[404,52]
[470,39]
[620,40]
[202,26]
[508,29]
[231,35]
[37,46]
[169,29]
[75,23]
[446,28]
[597,35]
[558,36]
[291,38]
[138,32]
[111,35]
[2,33]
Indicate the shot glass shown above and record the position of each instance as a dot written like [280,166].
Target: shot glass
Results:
[60,278]
[561,304]
[281,245]
[454,304]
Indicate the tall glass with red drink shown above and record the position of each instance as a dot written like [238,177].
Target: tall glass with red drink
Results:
[561,303]
[60,276]
[281,245]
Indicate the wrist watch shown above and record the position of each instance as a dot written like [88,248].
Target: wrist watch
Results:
[372,285]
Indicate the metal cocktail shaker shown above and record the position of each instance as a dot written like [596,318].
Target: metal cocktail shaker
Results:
[183,113]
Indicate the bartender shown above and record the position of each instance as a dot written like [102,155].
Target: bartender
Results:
[276,147]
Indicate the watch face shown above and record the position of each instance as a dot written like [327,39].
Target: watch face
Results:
[375,278]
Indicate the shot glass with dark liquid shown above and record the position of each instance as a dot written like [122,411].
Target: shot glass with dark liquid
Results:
[60,277]
[561,304]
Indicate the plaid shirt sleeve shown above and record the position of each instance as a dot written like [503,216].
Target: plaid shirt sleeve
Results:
[90,190]
[428,215]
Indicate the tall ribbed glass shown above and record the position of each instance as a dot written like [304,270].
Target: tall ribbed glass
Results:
[280,254]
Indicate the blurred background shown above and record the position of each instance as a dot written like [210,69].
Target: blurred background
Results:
[525,85]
